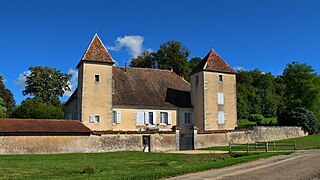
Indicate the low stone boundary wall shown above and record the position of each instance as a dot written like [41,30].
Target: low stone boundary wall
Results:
[259,133]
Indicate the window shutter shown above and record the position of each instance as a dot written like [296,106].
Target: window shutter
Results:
[220,98]
[118,117]
[221,118]
[140,118]
[91,118]
[146,117]
[182,120]
[192,118]
[169,117]
[154,117]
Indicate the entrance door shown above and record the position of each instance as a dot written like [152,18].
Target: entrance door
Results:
[146,143]
[186,141]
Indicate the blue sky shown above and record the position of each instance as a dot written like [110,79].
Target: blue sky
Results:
[251,34]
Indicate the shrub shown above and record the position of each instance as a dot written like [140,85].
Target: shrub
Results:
[88,169]
[299,117]
[258,118]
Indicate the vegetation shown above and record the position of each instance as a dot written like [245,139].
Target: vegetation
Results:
[264,122]
[3,109]
[302,143]
[32,108]
[115,165]
[7,98]
[257,118]
[46,84]
[300,117]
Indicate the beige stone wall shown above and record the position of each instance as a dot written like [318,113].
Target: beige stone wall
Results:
[197,97]
[211,88]
[128,119]
[258,134]
[96,96]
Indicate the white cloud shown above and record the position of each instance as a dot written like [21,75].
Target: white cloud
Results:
[20,82]
[238,68]
[73,82]
[133,44]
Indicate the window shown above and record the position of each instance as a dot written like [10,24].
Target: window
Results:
[116,117]
[187,118]
[163,117]
[94,118]
[150,117]
[96,78]
[220,98]
[221,117]
[140,118]
[220,78]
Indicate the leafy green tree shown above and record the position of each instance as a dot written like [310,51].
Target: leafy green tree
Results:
[194,62]
[302,87]
[299,117]
[173,54]
[7,97]
[46,84]
[145,59]
[3,109]
[32,108]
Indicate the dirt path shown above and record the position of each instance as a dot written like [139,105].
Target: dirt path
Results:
[299,165]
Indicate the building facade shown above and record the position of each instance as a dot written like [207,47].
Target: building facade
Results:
[111,98]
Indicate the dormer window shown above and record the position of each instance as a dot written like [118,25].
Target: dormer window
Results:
[96,78]
[220,78]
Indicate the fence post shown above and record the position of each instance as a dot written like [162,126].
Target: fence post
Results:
[247,147]
[294,145]
[266,146]
[229,147]
[274,145]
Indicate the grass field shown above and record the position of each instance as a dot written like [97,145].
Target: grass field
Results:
[265,122]
[302,143]
[115,165]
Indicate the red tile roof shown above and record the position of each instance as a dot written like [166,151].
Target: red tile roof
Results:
[96,52]
[8,125]
[213,62]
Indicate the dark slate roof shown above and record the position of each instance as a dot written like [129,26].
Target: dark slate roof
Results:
[8,125]
[213,62]
[96,52]
[150,87]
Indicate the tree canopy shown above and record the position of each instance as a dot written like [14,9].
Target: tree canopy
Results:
[3,109]
[46,84]
[7,98]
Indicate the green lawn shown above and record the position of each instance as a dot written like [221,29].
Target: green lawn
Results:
[265,122]
[115,165]
[302,143]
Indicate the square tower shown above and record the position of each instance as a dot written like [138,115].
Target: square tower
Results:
[213,94]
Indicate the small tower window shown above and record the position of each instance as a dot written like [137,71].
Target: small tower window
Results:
[220,78]
[96,78]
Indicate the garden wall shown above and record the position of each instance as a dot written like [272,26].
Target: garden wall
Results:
[258,134]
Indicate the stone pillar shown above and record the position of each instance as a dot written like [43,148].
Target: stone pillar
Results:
[195,134]
[177,130]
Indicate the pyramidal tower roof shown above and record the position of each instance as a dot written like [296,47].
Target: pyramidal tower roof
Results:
[213,62]
[96,52]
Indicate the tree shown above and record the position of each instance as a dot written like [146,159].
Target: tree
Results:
[3,109]
[194,62]
[299,117]
[145,59]
[7,97]
[46,84]
[302,88]
[34,109]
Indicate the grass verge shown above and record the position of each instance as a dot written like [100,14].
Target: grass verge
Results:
[116,165]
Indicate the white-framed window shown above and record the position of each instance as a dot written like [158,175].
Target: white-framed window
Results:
[148,118]
[220,98]
[96,78]
[150,114]
[94,118]
[116,117]
[140,118]
[221,117]
[187,118]
[163,118]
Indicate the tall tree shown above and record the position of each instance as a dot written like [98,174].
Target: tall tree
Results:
[3,109]
[46,84]
[7,97]
[302,87]
[194,62]
[145,59]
